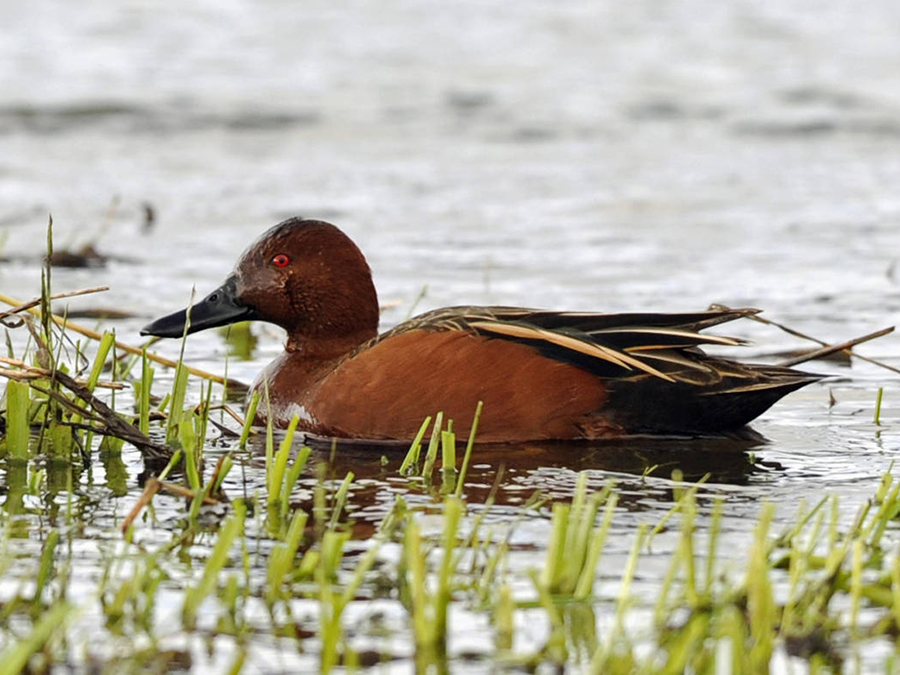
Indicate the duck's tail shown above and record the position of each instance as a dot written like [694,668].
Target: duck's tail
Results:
[644,406]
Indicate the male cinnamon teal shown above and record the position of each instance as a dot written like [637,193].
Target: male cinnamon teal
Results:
[541,374]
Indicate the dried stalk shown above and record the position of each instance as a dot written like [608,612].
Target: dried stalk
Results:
[94,335]
[151,487]
[27,372]
[26,306]
[844,347]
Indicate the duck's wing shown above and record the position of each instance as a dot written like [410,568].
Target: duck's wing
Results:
[655,374]
[663,346]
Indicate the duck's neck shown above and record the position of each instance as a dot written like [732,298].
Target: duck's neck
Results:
[321,348]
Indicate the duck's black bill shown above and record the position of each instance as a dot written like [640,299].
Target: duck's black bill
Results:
[219,308]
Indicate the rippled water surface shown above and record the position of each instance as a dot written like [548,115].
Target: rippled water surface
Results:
[593,156]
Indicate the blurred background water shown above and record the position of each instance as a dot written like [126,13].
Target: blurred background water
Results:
[650,155]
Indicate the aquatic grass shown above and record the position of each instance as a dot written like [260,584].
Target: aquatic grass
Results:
[694,618]
[340,499]
[576,544]
[228,533]
[448,460]
[46,275]
[192,432]
[276,463]
[434,441]
[878,398]
[18,403]
[128,600]
[616,646]
[292,477]
[176,432]
[103,347]
[504,613]
[412,455]
[280,480]
[330,606]
[444,439]
[45,571]
[428,608]
[461,479]
[281,560]
[218,478]
[248,420]
[761,605]
[68,405]
[143,390]
[14,659]
[333,602]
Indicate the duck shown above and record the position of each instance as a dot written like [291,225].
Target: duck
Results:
[541,375]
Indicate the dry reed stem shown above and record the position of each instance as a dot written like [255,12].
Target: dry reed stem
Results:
[827,350]
[151,487]
[841,347]
[29,372]
[94,335]
[182,491]
[220,494]
[26,306]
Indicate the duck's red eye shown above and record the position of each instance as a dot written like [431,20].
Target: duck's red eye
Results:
[281,260]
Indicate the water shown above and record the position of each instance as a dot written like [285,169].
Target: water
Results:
[606,156]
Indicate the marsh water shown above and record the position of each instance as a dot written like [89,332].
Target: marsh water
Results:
[607,156]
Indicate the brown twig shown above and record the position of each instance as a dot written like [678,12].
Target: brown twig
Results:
[843,347]
[29,372]
[827,350]
[26,306]
[187,493]
[151,487]
[94,335]
[219,494]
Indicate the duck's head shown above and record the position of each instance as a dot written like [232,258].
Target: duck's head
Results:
[303,275]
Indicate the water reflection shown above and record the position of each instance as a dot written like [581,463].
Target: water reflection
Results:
[511,475]
[724,457]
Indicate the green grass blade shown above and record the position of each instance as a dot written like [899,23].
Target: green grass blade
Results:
[249,419]
[275,473]
[469,446]
[431,454]
[412,456]
[144,398]
[209,579]
[18,402]
[14,659]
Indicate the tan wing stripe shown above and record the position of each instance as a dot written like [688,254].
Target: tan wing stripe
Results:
[679,361]
[529,333]
[597,351]
[653,348]
[760,386]
[693,336]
